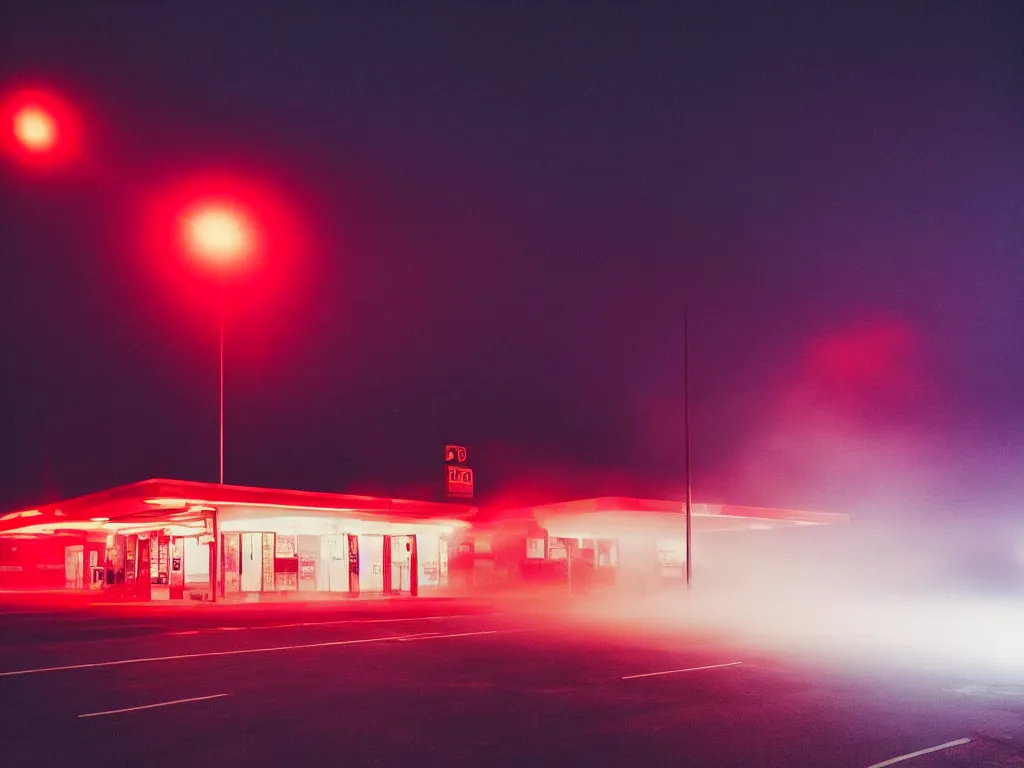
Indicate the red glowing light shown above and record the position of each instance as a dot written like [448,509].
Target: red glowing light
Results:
[227,240]
[873,360]
[216,224]
[39,128]
[219,233]
[35,129]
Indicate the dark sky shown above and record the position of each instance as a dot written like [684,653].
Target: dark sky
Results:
[494,220]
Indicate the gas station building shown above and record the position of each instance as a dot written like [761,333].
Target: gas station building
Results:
[174,540]
[169,539]
[627,542]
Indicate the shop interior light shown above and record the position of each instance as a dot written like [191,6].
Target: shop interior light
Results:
[26,513]
[168,502]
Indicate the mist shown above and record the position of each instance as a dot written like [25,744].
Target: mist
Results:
[879,595]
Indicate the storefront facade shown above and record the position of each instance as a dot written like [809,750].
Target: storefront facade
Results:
[608,542]
[175,540]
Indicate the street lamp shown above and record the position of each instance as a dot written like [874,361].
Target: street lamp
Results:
[223,237]
[35,129]
[40,129]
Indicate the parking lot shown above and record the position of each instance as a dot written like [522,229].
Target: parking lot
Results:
[457,683]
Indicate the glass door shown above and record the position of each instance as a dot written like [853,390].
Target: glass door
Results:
[252,562]
[371,563]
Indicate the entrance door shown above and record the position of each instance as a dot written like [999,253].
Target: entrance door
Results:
[252,562]
[371,563]
[143,585]
[74,562]
[232,576]
[334,553]
[401,564]
[176,576]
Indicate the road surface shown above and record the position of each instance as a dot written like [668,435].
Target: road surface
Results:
[453,683]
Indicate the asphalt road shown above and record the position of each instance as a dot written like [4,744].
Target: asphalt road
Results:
[451,682]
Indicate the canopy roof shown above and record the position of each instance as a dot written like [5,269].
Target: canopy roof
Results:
[180,502]
[613,516]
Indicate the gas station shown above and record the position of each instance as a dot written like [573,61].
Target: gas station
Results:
[626,542]
[177,540]
[174,540]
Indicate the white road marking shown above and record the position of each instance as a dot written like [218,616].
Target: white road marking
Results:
[333,622]
[688,669]
[928,751]
[152,706]
[989,690]
[237,652]
[370,621]
[437,635]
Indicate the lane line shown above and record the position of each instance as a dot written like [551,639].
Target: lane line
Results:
[436,635]
[927,751]
[369,621]
[210,654]
[208,630]
[333,622]
[152,706]
[688,669]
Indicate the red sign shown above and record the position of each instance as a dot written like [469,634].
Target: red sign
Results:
[460,481]
[454,454]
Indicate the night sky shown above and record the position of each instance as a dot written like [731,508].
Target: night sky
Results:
[482,228]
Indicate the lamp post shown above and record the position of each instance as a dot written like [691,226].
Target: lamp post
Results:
[222,237]
[686,405]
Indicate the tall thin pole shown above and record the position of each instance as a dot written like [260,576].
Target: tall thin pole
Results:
[221,388]
[686,405]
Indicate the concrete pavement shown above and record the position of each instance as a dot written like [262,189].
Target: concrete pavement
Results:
[457,683]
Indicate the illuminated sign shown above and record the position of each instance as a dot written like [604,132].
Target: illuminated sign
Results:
[460,481]
[671,556]
[454,454]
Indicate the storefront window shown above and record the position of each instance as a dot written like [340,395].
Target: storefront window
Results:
[197,561]
[535,548]
[154,560]
[428,549]
[556,549]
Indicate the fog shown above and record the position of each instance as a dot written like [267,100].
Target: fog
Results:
[903,597]
[930,572]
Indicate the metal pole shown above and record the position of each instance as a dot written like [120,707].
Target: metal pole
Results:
[221,387]
[686,405]
[215,556]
